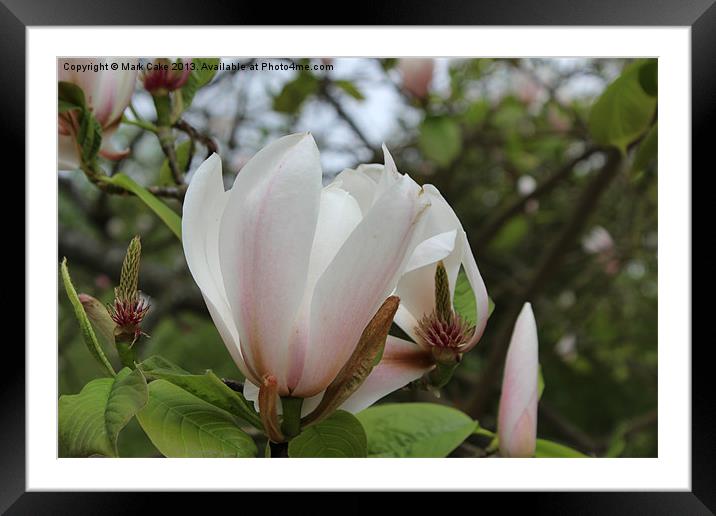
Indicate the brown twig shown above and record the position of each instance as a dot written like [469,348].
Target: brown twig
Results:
[326,94]
[206,140]
[493,226]
[549,262]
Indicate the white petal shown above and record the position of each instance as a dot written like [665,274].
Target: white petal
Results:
[360,185]
[358,280]
[402,362]
[338,216]
[251,393]
[203,208]
[432,250]
[266,236]
[517,419]
[482,307]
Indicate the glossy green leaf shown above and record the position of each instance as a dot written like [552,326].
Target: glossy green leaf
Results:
[181,425]
[164,212]
[647,151]
[649,77]
[548,449]
[340,435]
[70,95]
[425,430]
[88,334]
[207,387]
[624,111]
[440,139]
[90,422]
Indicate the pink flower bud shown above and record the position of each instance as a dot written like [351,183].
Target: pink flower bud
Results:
[163,76]
[417,75]
[517,419]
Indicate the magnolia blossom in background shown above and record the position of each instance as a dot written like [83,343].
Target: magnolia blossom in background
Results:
[600,243]
[417,75]
[442,240]
[107,94]
[517,418]
[292,272]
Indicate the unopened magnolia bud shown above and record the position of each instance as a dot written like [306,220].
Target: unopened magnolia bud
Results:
[100,318]
[163,75]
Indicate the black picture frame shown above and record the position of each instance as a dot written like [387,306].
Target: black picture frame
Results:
[699,15]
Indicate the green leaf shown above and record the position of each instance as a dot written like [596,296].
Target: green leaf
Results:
[181,425]
[207,387]
[350,89]
[90,422]
[89,136]
[548,449]
[183,153]
[164,212]
[88,334]
[204,71]
[440,139]
[340,435]
[624,111]
[464,300]
[424,430]
[540,382]
[295,92]
[649,77]
[70,94]
[647,151]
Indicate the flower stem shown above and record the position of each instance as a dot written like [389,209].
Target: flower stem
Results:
[126,353]
[291,423]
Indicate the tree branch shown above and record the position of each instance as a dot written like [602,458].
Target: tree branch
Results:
[549,262]
[493,226]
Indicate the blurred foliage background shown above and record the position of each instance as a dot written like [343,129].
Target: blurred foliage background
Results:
[553,217]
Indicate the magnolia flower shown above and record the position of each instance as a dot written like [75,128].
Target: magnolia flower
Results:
[107,94]
[442,250]
[292,272]
[517,418]
[417,75]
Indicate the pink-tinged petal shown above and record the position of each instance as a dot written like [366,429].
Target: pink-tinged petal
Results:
[338,216]
[482,306]
[402,362]
[204,206]
[265,242]
[107,92]
[417,75]
[517,418]
[359,279]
